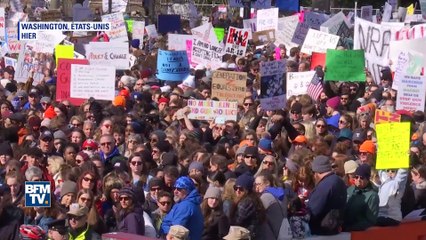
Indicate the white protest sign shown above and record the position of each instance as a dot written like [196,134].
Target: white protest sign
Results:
[206,33]
[2,25]
[46,41]
[116,6]
[317,41]
[408,63]
[118,32]
[387,12]
[138,30]
[206,53]
[92,81]
[151,31]
[374,39]
[367,13]
[411,93]
[415,32]
[251,24]
[332,25]
[10,62]
[286,28]
[272,95]
[298,82]
[267,19]
[210,110]
[108,54]
[177,42]
[237,41]
[413,46]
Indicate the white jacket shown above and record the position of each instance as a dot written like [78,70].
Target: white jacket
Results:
[391,191]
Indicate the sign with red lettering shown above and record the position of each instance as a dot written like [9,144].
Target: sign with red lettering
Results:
[386,117]
[237,40]
[63,81]
[411,93]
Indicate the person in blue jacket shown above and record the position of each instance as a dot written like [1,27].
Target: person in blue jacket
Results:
[187,210]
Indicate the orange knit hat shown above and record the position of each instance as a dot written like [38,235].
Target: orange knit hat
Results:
[368,146]
[119,101]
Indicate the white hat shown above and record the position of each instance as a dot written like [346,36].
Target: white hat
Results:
[237,233]
[166,89]
[188,82]
[128,80]
[200,67]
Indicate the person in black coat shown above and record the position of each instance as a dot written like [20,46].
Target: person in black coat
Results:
[11,217]
[216,224]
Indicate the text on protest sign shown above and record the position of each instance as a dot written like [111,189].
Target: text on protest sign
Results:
[177,42]
[210,110]
[267,19]
[229,86]
[272,94]
[108,54]
[118,30]
[415,32]
[206,53]
[32,61]
[381,116]
[250,24]
[315,20]
[237,41]
[408,63]
[317,41]
[345,65]
[116,5]
[63,82]
[286,28]
[393,143]
[411,93]
[414,46]
[298,82]
[92,81]
[172,65]
[300,33]
[332,25]
[206,33]
[10,62]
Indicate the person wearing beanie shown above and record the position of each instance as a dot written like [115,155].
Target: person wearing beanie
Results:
[163,102]
[155,186]
[249,211]
[350,167]
[215,221]
[196,170]
[327,198]
[68,193]
[250,163]
[187,210]
[332,114]
[367,150]
[135,43]
[119,101]
[362,208]
[130,215]
[265,146]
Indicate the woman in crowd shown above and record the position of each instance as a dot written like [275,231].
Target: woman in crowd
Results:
[129,216]
[216,223]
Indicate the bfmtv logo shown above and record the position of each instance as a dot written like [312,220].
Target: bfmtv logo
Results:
[37,194]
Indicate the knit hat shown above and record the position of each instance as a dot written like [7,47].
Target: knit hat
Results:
[213,192]
[125,93]
[90,143]
[240,150]
[127,191]
[251,151]
[350,166]
[292,166]
[265,144]
[156,182]
[196,165]
[59,134]
[321,164]
[45,100]
[345,134]
[119,101]
[135,43]
[246,181]
[84,155]
[68,187]
[368,146]
[137,127]
[245,143]
[160,134]
[296,108]
[333,102]
[185,183]
[163,100]
[363,170]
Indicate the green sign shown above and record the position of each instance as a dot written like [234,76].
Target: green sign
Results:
[129,24]
[345,65]
[220,33]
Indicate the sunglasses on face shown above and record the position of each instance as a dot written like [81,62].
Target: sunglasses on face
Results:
[89,179]
[136,163]
[124,198]
[107,126]
[320,126]
[154,189]
[391,170]
[268,163]
[238,188]
[76,218]
[248,156]
[165,203]
[178,189]
[359,177]
[106,143]
[363,153]
[88,148]
[248,104]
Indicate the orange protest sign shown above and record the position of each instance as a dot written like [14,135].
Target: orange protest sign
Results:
[386,117]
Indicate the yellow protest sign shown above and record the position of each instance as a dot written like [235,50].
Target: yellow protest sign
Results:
[393,145]
[386,117]
[64,51]
[229,86]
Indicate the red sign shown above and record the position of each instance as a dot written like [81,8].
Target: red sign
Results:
[317,59]
[63,81]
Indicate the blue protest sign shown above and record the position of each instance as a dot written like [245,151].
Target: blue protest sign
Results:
[288,5]
[172,65]
[169,23]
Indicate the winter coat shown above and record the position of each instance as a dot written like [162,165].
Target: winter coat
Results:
[246,215]
[391,191]
[275,213]
[188,214]
[329,194]
[218,227]
[362,208]
[132,222]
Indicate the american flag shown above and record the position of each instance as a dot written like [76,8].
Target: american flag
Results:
[315,87]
